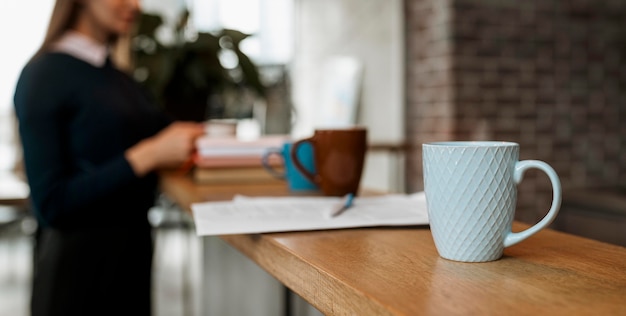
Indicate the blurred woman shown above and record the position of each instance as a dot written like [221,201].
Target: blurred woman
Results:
[92,142]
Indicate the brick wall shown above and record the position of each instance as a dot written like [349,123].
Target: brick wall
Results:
[429,82]
[550,75]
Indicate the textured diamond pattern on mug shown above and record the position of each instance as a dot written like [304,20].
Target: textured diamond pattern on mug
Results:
[468,193]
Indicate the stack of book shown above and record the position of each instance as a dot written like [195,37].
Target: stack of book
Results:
[230,160]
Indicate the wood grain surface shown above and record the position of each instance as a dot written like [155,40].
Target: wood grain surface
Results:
[397,271]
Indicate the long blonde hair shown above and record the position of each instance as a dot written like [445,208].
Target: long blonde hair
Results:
[64,15]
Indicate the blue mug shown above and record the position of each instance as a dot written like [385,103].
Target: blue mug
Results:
[296,181]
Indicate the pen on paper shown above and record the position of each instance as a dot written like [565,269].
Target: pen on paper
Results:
[343,206]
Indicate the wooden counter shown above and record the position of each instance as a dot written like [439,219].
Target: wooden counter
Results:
[397,271]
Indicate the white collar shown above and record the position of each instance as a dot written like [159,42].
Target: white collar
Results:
[82,47]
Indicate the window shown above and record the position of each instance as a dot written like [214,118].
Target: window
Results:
[270,22]
[23,26]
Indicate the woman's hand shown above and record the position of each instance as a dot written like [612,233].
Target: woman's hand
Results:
[169,148]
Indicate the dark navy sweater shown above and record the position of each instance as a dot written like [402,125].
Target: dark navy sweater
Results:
[75,122]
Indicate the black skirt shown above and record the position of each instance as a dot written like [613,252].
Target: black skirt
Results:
[95,271]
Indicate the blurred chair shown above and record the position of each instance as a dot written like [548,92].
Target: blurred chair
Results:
[15,218]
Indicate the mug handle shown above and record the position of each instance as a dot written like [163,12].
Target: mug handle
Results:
[266,163]
[296,162]
[521,167]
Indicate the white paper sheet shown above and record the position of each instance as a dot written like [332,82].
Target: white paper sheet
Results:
[245,215]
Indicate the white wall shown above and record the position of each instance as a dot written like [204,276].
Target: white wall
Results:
[373,32]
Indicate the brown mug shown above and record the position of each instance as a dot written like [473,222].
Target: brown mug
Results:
[339,156]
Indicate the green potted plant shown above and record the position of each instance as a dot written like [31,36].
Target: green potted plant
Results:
[188,78]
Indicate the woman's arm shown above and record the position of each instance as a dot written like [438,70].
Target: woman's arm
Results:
[171,147]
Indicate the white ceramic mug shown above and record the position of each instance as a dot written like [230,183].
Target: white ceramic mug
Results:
[217,128]
[471,193]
